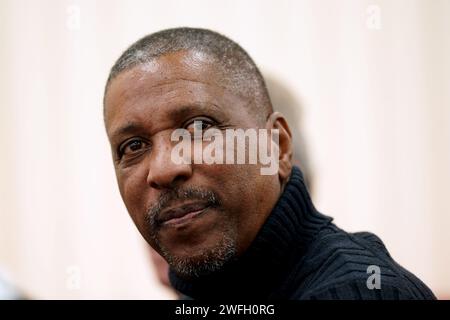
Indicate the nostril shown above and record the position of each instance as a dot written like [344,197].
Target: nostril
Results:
[154,185]
[168,183]
[167,175]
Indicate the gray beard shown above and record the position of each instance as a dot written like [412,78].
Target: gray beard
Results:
[206,263]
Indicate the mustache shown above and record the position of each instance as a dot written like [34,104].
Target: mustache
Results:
[211,198]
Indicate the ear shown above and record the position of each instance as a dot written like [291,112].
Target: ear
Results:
[276,120]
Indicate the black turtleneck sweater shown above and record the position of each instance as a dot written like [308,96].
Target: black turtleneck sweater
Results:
[300,254]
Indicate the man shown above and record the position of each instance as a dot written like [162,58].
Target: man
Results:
[282,100]
[227,230]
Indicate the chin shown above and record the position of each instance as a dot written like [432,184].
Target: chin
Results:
[203,260]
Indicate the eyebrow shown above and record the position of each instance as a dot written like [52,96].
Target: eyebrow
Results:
[129,127]
[185,110]
[132,127]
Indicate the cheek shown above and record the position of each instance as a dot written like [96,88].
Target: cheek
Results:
[132,186]
[249,194]
[247,197]
[235,184]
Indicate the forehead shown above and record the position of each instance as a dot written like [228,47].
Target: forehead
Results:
[155,74]
[163,85]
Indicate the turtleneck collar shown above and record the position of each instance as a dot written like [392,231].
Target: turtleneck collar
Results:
[261,270]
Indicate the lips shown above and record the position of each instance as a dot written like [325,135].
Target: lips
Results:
[181,214]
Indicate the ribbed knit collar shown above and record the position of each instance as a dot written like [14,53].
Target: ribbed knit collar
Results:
[261,270]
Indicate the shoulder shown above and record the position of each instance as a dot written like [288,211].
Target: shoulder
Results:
[341,265]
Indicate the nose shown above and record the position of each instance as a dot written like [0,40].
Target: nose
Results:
[164,173]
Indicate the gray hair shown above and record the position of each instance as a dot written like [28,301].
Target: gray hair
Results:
[239,72]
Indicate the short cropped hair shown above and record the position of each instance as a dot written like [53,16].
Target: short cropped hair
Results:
[238,71]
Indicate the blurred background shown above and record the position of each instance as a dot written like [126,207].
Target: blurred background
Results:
[371,81]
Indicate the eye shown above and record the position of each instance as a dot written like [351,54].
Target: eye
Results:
[200,124]
[132,146]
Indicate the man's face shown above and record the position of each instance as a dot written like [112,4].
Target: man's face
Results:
[197,216]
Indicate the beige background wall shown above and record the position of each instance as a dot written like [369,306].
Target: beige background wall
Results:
[373,79]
